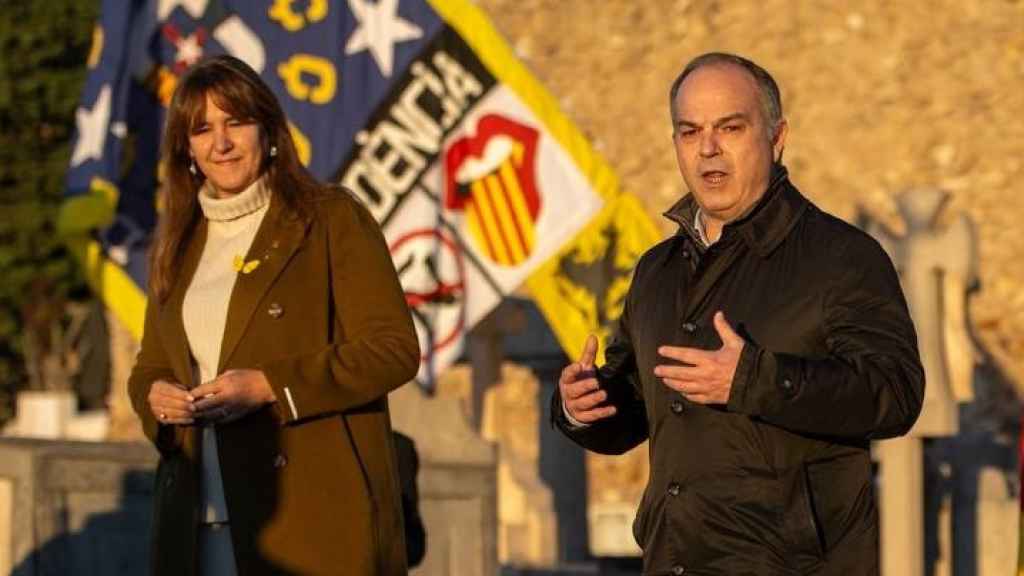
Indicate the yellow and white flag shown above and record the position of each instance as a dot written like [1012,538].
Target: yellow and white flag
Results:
[583,288]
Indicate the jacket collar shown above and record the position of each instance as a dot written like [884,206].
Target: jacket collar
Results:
[764,227]
[172,324]
[278,238]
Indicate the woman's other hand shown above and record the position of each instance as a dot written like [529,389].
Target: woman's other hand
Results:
[170,403]
[232,395]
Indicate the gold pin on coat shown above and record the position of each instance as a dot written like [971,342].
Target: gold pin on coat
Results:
[240,265]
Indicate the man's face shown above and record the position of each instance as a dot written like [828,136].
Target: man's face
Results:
[723,146]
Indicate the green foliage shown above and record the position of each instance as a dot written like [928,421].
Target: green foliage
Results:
[43,51]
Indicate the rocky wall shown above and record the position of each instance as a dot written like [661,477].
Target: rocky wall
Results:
[880,98]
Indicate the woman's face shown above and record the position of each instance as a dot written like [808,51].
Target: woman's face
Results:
[226,149]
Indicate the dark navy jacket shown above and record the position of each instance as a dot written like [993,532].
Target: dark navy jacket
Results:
[779,480]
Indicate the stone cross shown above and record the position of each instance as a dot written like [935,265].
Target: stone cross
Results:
[937,266]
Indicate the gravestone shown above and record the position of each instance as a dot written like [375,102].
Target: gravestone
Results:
[935,264]
[936,257]
[527,531]
[615,485]
[457,484]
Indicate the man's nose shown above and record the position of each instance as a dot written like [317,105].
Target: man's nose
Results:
[709,143]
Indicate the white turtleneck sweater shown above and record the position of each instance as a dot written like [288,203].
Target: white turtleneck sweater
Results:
[232,225]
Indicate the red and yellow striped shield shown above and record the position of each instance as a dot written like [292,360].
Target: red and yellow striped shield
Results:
[490,177]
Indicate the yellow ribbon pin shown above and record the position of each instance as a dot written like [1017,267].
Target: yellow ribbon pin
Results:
[240,265]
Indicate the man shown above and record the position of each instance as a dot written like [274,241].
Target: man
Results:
[760,350]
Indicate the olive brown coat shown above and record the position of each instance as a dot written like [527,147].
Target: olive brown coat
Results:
[310,481]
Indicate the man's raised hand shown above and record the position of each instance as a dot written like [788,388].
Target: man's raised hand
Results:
[582,395]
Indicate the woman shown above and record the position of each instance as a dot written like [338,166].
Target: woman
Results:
[275,328]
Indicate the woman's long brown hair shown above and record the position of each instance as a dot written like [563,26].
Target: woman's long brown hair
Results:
[238,90]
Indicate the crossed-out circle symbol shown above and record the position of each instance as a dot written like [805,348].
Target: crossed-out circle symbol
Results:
[432,273]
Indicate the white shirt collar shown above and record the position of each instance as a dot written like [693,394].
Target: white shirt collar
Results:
[698,225]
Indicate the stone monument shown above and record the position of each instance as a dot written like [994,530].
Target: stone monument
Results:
[457,483]
[936,263]
[615,485]
[527,525]
[527,531]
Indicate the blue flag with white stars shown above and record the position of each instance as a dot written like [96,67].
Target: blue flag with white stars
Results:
[418,107]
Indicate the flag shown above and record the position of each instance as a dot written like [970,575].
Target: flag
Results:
[582,289]
[418,107]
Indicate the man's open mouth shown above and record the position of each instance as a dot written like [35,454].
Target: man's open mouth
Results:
[714,176]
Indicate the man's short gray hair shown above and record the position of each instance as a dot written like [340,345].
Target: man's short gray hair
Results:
[771,100]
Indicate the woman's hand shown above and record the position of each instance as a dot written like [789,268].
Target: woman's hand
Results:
[170,402]
[232,395]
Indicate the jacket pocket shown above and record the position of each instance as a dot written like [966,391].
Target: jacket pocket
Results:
[841,496]
[800,525]
[810,528]
[649,526]
[348,438]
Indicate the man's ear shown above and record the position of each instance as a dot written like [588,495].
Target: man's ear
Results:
[779,139]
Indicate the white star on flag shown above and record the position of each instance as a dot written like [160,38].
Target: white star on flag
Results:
[190,50]
[380,28]
[92,128]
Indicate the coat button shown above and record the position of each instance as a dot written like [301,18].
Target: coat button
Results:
[678,570]
[674,489]
[280,461]
[275,310]
[676,407]
[689,327]
[169,482]
[787,384]
[686,253]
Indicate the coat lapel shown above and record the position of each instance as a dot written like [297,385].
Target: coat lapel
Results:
[714,271]
[172,324]
[280,235]
[761,230]
[714,262]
